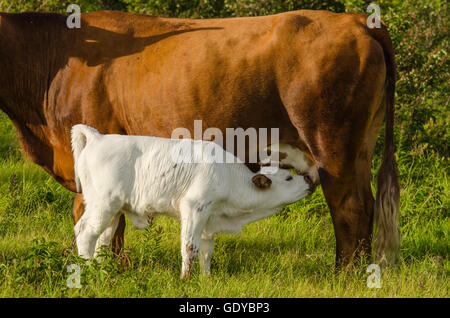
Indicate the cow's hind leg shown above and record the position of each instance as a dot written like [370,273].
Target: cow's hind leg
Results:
[351,203]
[344,163]
[344,170]
[345,179]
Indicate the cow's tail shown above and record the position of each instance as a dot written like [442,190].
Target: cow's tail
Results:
[387,232]
[81,135]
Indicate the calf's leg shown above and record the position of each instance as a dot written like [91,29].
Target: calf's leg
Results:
[118,238]
[193,222]
[206,253]
[105,237]
[91,225]
[86,236]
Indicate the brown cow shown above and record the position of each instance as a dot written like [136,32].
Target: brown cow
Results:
[325,79]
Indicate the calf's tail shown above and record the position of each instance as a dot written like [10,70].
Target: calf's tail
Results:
[81,135]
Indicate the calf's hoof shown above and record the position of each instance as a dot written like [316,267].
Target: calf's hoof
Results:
[186,276]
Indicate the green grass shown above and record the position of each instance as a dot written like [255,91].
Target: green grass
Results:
[288,255]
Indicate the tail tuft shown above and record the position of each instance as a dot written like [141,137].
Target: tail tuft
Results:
[387,238]
[80,136]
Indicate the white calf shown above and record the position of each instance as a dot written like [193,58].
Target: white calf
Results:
[143,177]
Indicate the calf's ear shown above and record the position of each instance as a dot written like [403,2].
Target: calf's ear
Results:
[261,181]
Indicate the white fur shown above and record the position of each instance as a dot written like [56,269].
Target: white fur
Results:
[137,176]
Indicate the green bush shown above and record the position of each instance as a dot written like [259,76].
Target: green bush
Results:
[419,30]
[178,8]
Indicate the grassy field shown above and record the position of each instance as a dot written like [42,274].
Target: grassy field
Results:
[288,255]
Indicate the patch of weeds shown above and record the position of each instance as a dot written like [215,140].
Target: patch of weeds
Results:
[148,247]
[41,263]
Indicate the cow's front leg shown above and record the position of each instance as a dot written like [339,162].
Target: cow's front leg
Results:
[193,221]
[206,253]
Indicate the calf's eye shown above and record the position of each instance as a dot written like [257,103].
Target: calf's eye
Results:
[289,178]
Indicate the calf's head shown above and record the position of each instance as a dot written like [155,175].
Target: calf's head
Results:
[281,187]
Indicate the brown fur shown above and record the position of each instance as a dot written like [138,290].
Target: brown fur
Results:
[261,181]
[318,76]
